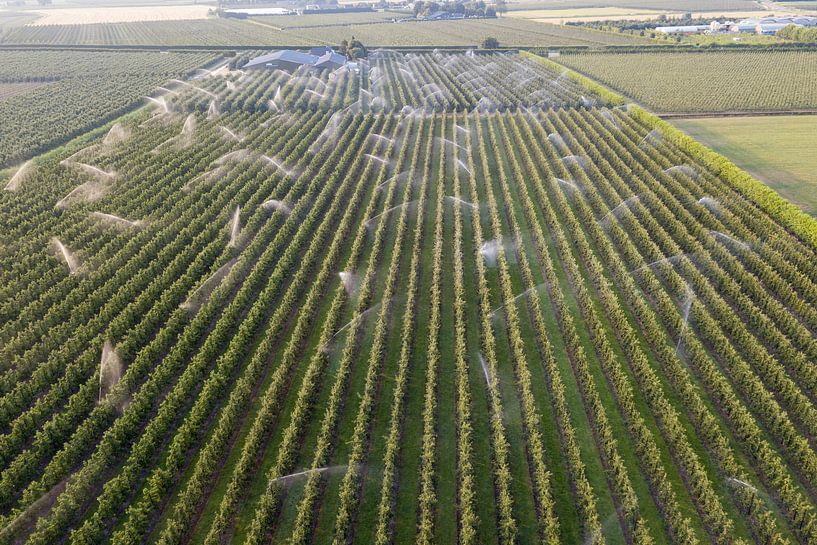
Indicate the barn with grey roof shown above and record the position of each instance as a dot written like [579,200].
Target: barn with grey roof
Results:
[291,60]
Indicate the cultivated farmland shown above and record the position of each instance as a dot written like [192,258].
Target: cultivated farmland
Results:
[707,81]
[273,31]
[449,298]
[44,94]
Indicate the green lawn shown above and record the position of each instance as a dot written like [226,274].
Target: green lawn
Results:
[777,149]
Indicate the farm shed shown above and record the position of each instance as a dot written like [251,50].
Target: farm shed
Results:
[285,59]
[330,61]
[689,29]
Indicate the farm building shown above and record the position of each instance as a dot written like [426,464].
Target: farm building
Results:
[771,25]
[290,60]
[768,29]
[687,29]
[330,61]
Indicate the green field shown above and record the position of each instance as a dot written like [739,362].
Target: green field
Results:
[44,94]
[707,81]
[808,6]
[272,31]
[777,149]
[443,298]
[666,5]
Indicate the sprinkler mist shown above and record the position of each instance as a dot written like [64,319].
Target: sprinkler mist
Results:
[19,528]
[194,87]
[315,93]
[212,110]
[485,370]
[711,204]
[202,293]
[350,281]
[329,469]
[570,186]
[110,370]
[22,174]
[732,240]
[189,127]
[370,222]
[685,170]
[328,346]
[653,138]
[236,156]
[396,178]
[556,140]
[376,159]
[230,134]
[687,307]
[447,142]
[458,201]
[209,176]
[236,226]
[535,289]
[462,165]
[741,482]
[91,170]
[160,103]
[87,192]
[116,221]
[614,213]
[578,160]
[279,166]
[673,259]
[117,133]
[381,138]
[68,257]
[275,204]
[490,250]
[462,130]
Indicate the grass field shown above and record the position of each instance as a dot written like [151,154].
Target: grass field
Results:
[777,149]
[707,81]
[444,299]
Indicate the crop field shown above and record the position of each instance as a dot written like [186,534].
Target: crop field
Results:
[664,5]
[8,90]
[449,298]
[260,31]
[331,19]
[560,16]
[131,14]
[52,87]
[779,150]
[508,31]
[707,81]
[216,32]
